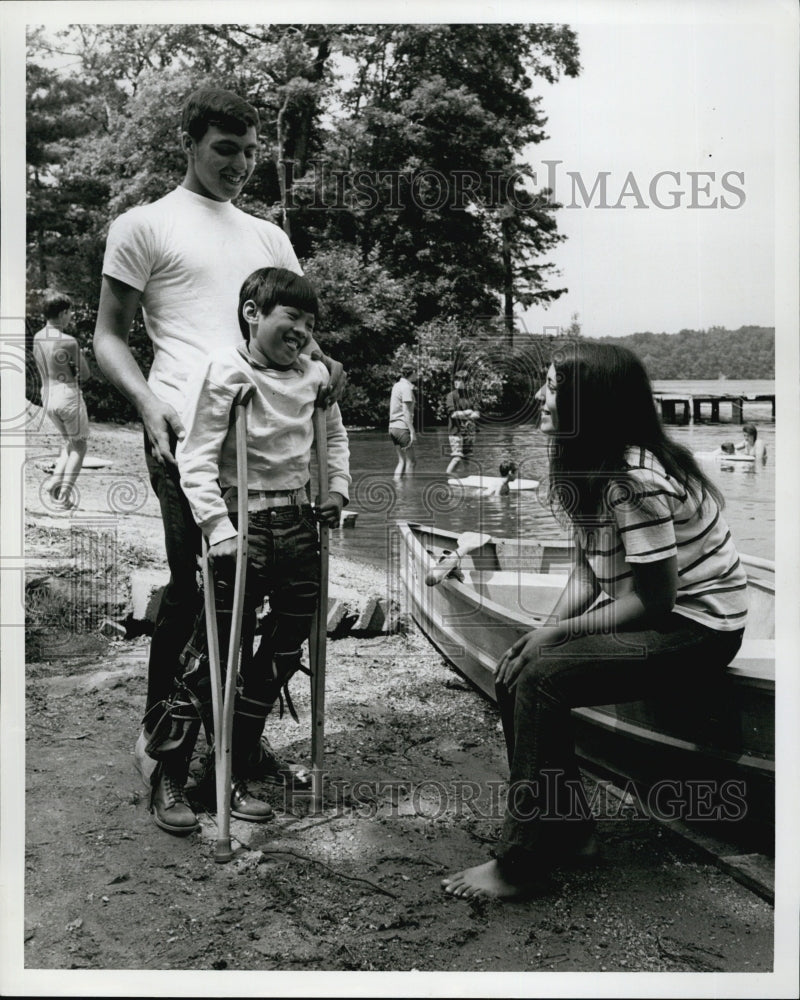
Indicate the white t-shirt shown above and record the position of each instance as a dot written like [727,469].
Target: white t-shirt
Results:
[188,256]
[401,395]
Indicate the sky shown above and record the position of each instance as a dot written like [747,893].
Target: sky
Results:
[697,88]
[683,98]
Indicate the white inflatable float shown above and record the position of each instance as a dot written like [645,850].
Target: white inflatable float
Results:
[745,463]
[89,462]
[492,482]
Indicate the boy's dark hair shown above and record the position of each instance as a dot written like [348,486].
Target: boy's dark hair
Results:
[212,106]
[508,466]
[272,286]
[727,447]
[407,369]
[54,303]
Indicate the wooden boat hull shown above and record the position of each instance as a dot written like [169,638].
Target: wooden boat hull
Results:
[724,735]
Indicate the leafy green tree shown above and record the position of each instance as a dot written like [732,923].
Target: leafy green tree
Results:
[365,313]
[746,353]
[435,120]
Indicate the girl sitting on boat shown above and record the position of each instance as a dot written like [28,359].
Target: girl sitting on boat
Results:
[651,540]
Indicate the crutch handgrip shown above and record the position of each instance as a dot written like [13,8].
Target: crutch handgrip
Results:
[243,395]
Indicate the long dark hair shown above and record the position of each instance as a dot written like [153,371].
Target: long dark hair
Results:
[604,406]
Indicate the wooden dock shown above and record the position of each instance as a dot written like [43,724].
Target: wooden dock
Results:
[686,408]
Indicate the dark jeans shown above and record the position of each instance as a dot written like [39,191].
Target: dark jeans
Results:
[283,565]
[278,545]
[547,808]
[180,600]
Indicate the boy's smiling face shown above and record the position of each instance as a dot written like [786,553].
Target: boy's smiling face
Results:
[220,164]
[277,339]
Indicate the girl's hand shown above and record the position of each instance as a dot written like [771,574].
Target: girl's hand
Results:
[524,651]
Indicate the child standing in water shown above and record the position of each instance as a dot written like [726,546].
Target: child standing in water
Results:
[649,535]
[63,368]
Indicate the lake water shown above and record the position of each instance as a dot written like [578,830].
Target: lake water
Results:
[381,501]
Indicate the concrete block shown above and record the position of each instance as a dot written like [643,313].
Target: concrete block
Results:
[113,630]
[147,585]
[348,519]
[340,618]
[372,617]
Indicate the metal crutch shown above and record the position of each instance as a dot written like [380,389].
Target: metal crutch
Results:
[222,703]
[319,636]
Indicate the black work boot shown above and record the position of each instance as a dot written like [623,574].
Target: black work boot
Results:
[264,764]
[253,757]
[246,806]
[168,803]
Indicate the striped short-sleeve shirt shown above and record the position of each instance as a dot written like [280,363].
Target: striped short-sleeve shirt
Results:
[652,516]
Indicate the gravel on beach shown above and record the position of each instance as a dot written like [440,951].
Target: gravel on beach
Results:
[416,772]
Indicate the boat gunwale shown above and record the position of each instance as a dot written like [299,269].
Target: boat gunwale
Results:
[467,594]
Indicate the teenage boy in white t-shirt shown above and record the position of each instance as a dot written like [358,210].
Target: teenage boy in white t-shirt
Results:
[183,259]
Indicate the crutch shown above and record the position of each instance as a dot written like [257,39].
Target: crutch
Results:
[222,703]
[319,636]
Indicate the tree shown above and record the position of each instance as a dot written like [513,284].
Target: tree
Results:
[436,119]
[365,313]
[392,152]
[441,347]
[573,331]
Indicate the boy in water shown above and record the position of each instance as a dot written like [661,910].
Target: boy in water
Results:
[62,368]
[277,313]
[508,473]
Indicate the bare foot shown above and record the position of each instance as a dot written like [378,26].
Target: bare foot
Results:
[485,880]
[64,503]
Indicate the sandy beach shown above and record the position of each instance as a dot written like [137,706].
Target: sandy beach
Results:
[416,771]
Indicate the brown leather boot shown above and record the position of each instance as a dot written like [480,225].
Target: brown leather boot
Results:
[168,803]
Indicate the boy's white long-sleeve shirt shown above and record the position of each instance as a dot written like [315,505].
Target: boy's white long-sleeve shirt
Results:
[279,433]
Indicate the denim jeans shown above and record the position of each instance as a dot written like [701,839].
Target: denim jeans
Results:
[547,808]
[180,599]
[283,565]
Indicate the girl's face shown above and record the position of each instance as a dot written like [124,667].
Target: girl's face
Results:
[548,417]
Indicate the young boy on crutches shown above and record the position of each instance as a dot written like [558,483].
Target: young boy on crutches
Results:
[277,313]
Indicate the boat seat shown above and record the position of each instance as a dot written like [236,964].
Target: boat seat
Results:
[755,662]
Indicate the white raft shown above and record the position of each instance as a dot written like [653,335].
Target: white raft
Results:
[492,482]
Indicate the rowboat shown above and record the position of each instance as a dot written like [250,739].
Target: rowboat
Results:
[725,733]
